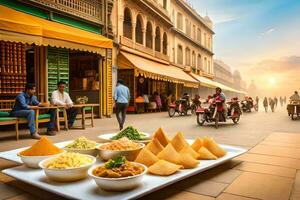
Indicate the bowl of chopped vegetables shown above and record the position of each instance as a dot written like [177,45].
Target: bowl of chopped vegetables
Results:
[82,145]
[130,132]
[118,174]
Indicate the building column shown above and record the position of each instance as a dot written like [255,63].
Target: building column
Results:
[133,32]
[161,45]
[153,44]
[144,36]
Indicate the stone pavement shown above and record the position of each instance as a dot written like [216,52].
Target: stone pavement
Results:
[270,170]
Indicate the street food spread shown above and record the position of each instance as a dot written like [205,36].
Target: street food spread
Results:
[121,144]
[82,143]
[197,144]
[213,147]
[179,141]
[131,133]
[155,146]
[205,154]
[117,168]
[43,147]
[161,137]
[69,160]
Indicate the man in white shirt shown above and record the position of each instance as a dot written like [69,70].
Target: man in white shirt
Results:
[60,98]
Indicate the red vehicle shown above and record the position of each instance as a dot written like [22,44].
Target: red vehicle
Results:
[179,106]
[215,112]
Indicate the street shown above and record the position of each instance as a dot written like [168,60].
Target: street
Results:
[216,183]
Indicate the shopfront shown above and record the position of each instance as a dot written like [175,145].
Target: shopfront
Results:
[144,76]
[44,52]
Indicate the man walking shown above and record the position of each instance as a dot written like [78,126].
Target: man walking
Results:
[24,106]
[121,97]
[61,98]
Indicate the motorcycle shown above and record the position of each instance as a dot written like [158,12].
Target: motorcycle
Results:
[179,106]
[248,105]
[215,113]
[195,105]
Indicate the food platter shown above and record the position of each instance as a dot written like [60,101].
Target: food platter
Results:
[107,137]
[87,188]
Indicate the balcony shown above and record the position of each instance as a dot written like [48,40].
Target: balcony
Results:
[90,10]
[139,47]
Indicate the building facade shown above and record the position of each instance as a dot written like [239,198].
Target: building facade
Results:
[44,42]
[223,73]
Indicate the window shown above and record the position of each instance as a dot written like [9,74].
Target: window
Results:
[205,64]
[194,32]
[193,59]
[165,44]
[199,62]
[127,25]
[187,57]
[165,4]
[149,35]
[157,39]
[188,27]
[209,68]
[205,40]
[138,30]
[179,55]
[199,35]
[179,21]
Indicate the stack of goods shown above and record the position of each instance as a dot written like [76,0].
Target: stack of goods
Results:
[165,157]
[12,68]
[69,160]
[82,143]
[43,147]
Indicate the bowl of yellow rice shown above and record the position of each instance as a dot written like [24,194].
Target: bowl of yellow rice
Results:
[67,167]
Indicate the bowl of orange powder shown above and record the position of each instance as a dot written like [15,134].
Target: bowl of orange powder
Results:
[40,150]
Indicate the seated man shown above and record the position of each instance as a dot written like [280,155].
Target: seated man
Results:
[24,105]
[295,96]
[60,98]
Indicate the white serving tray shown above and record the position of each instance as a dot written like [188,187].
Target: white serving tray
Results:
[87,188]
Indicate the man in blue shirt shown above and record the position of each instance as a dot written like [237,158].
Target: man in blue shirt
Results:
[121,97]
[23,107]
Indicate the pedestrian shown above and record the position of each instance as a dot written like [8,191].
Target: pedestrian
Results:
[157,100]
[121,97]
[272,104]
[275,101]
[265,102]
[281,101]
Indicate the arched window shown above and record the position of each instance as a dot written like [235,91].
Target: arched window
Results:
[179,21]
[187,57]
[179,55]
[194,32]
[127,24]
[188,27]
[157,39]
[138,30]
[199,35]
[199,62]
[149,35]
[205,64]
[165,4]
[165,44]
[193,59]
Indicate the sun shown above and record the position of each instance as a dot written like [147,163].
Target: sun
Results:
[272,81]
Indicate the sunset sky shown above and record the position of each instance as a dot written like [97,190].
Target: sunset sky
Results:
[258,37]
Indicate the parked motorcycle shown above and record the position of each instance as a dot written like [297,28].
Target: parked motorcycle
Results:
[216,113]
[247,106]
[179,106]
[196,103]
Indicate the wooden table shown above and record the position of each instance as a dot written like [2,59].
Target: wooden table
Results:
[82,107]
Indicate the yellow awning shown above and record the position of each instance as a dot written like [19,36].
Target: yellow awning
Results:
[16,26]
[155,70]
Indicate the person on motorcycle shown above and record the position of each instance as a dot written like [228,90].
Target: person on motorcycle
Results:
[186,97]
[196,100]
[220,96]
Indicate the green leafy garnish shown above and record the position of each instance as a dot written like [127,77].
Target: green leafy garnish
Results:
[129,132]
[115,162]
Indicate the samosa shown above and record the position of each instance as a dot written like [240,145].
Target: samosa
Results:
[205,154]
[197,144]
[187,161]
[161,137]
[146,157]
[179,141]
[154,146]
[213,147]
[189,150]
[164,168]
[169,154]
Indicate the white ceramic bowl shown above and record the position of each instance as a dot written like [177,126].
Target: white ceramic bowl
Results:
[33,161]
[66,175]
[130,155]
[118,184]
